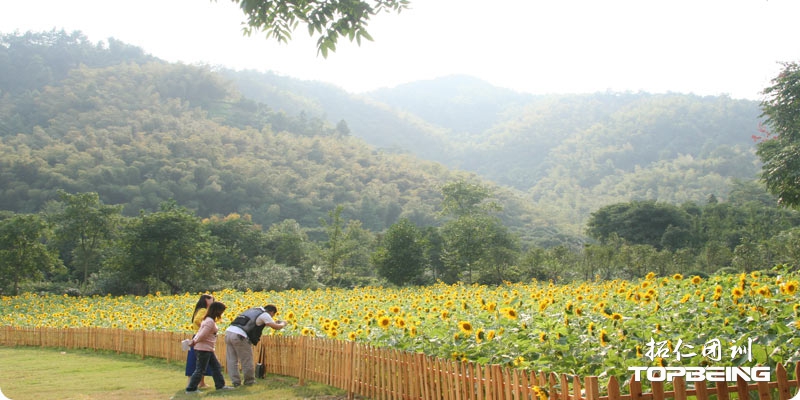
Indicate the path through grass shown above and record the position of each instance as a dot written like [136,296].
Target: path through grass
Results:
[42,373]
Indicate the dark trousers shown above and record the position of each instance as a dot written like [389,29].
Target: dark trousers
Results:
[206,359]
[191,363]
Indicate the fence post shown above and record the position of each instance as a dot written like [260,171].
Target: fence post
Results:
[469,381]
[613,388]
[144,344]
[657,390]
[351,368]
[783,383]
[422,361]
[464,379]
[763,391]
[679,386]
[302,353]
[722,391]
[506,380]
[741,388]
[592,388]
[564,395]
[797,376]
[552,385]
[576,387]
[701,390]
[515,392]
[497,381]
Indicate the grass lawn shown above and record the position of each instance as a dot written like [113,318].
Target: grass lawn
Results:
[43,373]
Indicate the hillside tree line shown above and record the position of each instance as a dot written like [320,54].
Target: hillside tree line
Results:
[120,173]
[80,245]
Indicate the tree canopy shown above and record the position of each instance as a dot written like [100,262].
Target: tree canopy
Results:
[640,222]
[779,149]
[328,19]
[401,258]
[23,251]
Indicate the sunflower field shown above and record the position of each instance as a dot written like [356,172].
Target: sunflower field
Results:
[583,328]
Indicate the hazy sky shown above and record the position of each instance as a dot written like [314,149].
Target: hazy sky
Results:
[706,47]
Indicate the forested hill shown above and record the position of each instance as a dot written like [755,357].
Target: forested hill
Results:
[571,154]
[140,131]
[109,118]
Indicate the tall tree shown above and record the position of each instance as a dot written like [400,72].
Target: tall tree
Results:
[433,246]
[779,149]
[336,248]
[401,258]
[499,260]
[460,198]
[85,226]
[474,239]
[638,222]
[24,256]
[328,19]
[288,244]
[238,242]
[166,249]
[359,244]
[748,257]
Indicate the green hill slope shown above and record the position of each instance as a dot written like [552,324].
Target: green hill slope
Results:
[142,133]
[109,118]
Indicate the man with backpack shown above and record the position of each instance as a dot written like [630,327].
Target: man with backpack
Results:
[240,337]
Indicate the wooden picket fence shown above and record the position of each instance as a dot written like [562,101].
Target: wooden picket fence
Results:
[383,374]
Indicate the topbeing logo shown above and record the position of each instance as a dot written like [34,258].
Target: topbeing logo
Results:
[696,374]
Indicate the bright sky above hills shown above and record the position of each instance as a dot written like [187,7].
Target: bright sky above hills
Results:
[705,47]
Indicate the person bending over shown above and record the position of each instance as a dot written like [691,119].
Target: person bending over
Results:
[240,337]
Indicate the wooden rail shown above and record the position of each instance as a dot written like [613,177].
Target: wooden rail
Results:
[383,374]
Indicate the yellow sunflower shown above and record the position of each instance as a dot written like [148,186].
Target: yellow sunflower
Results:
[412,331]
[603,336]
[540,393]
[509,312]
[790,287]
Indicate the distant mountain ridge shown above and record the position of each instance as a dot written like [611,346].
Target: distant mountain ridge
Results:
[140,134]
[372,121]
[560,156]
[463,104]
[598,148]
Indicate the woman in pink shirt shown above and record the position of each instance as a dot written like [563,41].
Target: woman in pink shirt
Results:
[204,342]
[198,316]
